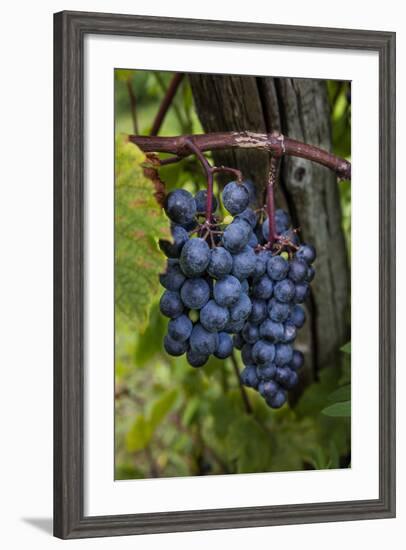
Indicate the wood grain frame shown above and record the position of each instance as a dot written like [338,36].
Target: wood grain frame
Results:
[70,29]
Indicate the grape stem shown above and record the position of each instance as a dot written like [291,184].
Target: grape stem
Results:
[270,199]
[274,142]
[244,395]
[209,171]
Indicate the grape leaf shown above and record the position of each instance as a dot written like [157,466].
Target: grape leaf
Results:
[341,394]
[346,348]
[342,408]
[139,223]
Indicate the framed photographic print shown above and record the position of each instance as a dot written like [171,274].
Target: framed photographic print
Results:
[224,275]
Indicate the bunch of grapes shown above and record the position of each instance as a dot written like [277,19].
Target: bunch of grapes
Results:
[227,288]
[266,339]
[206,295]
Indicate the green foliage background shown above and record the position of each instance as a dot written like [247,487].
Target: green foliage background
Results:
[170,419]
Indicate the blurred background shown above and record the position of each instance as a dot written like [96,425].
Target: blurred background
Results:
[171,419]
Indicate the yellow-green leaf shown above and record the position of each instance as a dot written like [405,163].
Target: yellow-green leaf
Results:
[139,435]
[139,223]
[161,407]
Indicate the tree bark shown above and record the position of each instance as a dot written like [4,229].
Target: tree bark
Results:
[300,109]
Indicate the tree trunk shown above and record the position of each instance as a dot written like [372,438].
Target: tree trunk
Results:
[298,108]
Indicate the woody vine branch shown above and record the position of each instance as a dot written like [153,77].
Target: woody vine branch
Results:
[275,143]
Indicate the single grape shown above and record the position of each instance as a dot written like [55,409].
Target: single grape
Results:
[307,253]
[277,400]
[302,291]
[289,333]
[233,327]
[221,262]
[171,304]
[173,278]
[293,379]
[269,330]
[291,236]
[253,242]
[297,270]
[278,311]
[283,354]
[250,333]
[282,223]
[236,236]
[235,197]
[266,372]
[238,341]
[225,346]
[259,311]
[277,268]
[201,201]
[252,191]
[249,377]
[286,377]
[263,288]
[180,329]
[244,263]
[241,310]
[282,220]
[180,237]
[246,354]
[214,317]
[173,347]
[180,206]
[227,291]
[245,287]
[195,257]
[202,341]
[249,216]
[310,274]
[263,352]
[260,264]
[196,359]
[297,316]
[284,291]
[195,293]
[268,388]
[297,360]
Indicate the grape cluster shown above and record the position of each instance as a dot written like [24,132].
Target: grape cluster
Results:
[266,338]
[230,290]
[206,287]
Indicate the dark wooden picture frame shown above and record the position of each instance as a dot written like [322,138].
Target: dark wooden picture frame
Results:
[69,31]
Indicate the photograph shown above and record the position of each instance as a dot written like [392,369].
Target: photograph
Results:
[232,275]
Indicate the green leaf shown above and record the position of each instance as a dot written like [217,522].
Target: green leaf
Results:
[346,348]
[341,394]
[191,409]
[139,223]
[139,435]
[146,346]
[338,409]
[122,75]
[249,445]
[161,407]
[315,396]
